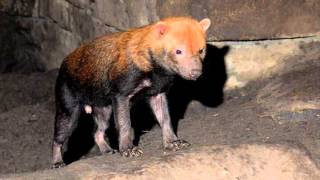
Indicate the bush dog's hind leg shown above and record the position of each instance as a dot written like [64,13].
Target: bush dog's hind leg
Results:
[159,106]
[121,109]
[101,117]
[65,123]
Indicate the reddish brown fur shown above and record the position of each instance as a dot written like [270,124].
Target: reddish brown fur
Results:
[179,31]
[107,56]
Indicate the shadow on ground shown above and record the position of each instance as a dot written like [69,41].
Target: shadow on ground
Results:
[208,89]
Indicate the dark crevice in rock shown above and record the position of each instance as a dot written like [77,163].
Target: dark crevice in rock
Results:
[265,39]
[113,28]
[40,18]
[15,15]
[50,19]
[74,5]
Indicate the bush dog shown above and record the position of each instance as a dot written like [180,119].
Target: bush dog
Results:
[102,77]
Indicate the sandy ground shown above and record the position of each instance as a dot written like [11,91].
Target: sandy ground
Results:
[284,109]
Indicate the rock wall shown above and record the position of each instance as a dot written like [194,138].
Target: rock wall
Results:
[35,35]
[239,20]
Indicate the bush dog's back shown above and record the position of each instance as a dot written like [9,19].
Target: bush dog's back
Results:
[102,76]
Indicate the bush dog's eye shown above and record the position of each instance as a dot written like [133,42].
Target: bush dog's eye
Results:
[178,51]
[200,51]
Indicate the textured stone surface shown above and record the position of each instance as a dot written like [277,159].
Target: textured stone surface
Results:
[250,19]
[221,162]
[35,35]
[250,61]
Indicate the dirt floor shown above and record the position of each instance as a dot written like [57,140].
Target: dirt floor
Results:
[284,109]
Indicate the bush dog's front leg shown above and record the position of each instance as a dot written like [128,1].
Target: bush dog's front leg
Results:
[121,107]
[159,106]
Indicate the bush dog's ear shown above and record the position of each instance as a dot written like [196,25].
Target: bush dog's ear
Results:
[205,24]
[161,29]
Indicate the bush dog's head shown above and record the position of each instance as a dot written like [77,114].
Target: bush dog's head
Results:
[180,45]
